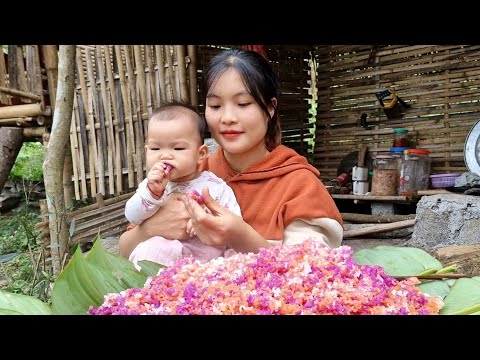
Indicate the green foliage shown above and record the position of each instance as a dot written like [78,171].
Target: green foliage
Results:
[86,279]
[17,231]
[15,304]
[29,162]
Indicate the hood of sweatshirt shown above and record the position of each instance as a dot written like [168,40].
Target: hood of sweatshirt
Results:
[280,161]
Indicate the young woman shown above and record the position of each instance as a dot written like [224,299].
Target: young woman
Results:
[280,196]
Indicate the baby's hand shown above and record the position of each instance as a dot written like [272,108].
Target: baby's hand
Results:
[157,179]
[190,229]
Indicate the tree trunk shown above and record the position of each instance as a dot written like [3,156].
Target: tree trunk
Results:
[11,140]
[55,156]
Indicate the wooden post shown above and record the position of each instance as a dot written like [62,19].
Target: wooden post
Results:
[11,140]
[55,157]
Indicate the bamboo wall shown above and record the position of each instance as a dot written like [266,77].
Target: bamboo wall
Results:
[439,82]
[117,89]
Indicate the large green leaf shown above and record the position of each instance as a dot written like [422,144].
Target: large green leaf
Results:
[398,261]
[81,285]
[149,268]
[463,298]
[438,288]
[87,279]
[121,268]
[18,304]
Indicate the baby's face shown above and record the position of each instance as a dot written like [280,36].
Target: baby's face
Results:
[175,142]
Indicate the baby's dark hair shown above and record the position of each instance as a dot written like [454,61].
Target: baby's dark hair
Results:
[260,81]
[173,109]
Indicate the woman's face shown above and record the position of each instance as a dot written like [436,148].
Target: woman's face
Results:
[235,120]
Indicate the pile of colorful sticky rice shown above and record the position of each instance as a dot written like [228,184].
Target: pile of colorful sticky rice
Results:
[307,278]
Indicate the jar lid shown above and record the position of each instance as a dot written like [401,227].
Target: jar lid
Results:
[398,149]
[387,157]
[417,151]
[400,131]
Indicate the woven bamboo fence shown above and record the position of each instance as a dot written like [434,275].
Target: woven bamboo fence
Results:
[117,89]
[440,83]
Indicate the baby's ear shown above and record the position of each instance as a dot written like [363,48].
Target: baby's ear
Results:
[202,152]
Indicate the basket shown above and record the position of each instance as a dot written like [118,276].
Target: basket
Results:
[443,180]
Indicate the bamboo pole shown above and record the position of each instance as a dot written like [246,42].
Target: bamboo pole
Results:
[139,139]
[128,113]
[4,99]
[171,76]
[161,73]
[68,186]
[18,121]
[34,132]
[151,99]
[192,73]
[108,116]
[13,111]
[378,228]
[82,144]
[82,130]
[116,117]
[37,71]
[20,68]
[51,65]
[367,218]
[75,152]
[14,92]
[141,87]
[92,144]
[182,73]
[93,113]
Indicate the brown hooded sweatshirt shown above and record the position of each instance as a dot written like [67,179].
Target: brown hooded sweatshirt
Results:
[275,191]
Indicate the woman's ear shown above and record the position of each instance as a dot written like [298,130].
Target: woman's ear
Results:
[272,107]
[202,153]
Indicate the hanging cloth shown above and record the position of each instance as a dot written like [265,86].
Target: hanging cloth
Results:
[258,48]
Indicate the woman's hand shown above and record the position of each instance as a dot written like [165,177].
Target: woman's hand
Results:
[218,226]
[170,221]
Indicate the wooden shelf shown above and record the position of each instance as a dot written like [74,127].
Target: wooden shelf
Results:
[394,198]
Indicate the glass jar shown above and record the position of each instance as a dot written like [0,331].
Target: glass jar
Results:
[385,175]
[400,138]
[397,153]
[415,171]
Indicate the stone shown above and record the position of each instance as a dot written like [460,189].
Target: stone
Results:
[466,257]
[446,220]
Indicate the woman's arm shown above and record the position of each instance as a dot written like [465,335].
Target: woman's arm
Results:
[221,227]
[170,221]
[325,230]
